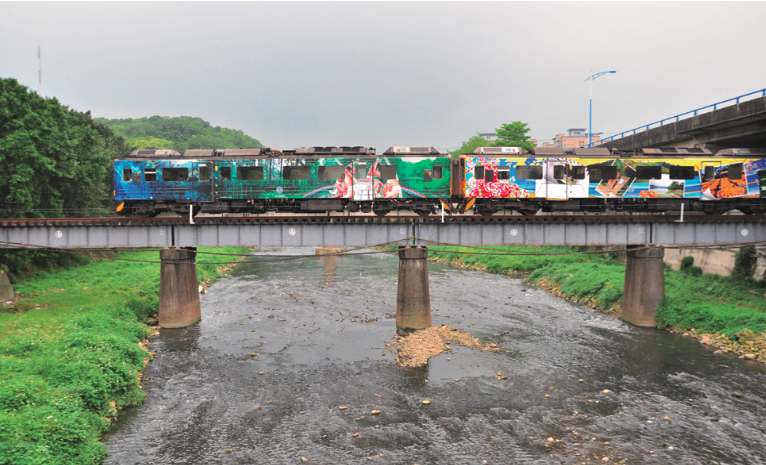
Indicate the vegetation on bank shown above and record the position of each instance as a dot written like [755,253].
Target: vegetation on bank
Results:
[70,355]
[180,133]
[707,303]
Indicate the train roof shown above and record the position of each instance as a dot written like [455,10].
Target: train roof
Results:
[342,150]
[412,151]
[204,153]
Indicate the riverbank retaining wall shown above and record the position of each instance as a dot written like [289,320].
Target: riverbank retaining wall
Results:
[714,261]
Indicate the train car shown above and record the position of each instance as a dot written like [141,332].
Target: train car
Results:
[596,179]
[313,179]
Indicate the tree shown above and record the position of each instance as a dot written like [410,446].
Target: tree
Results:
[149,142]
[472,144]
[514,135]
[56,161]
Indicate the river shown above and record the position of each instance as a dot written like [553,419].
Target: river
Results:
[211,401]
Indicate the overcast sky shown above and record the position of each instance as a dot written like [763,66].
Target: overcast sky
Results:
[383,74]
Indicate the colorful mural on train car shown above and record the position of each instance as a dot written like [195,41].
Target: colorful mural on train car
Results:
[282,178]
[571,178]
[162,180]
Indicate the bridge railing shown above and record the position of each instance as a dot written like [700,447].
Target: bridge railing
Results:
[691,113]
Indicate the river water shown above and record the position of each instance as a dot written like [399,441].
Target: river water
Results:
[211,401]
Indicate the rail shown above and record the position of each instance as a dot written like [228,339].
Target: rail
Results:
[675,118]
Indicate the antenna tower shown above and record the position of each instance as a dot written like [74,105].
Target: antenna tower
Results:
[39,72]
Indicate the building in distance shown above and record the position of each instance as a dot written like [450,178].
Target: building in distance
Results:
[575,137]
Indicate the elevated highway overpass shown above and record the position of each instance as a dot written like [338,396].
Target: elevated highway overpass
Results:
[733,123]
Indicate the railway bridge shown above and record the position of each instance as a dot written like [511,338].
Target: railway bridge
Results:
[644,236]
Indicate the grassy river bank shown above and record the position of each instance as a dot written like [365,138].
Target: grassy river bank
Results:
[726,312]
[72,350]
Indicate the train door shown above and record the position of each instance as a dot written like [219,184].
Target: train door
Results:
[709,169]
[201,182]
[389,182]
[555,184]
[707,178]
[363,183]
[762,182]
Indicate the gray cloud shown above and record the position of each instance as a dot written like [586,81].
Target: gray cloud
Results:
[382,74]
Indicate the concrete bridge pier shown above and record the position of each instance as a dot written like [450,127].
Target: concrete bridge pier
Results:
[413,299]
[644,286]
[179,291]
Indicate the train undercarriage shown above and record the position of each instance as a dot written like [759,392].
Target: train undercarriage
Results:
[426,207]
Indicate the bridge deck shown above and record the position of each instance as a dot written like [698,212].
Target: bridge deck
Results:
[355,231]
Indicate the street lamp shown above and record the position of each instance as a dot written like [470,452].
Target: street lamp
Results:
[591,78]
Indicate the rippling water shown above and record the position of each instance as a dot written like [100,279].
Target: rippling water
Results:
[209,404]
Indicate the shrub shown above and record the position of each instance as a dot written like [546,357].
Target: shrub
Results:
[744,262]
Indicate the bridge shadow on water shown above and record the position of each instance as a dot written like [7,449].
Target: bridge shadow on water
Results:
[284,343]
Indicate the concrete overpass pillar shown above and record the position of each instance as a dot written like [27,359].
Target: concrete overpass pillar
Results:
[179,291]
[413,299]
[644,286]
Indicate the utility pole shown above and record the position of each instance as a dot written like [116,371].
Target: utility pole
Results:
[591,78]
[39,72]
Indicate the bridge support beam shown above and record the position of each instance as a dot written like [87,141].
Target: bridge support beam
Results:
[644,286]
[413,300]
[179,294]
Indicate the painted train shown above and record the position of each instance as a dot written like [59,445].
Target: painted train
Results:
[423,180]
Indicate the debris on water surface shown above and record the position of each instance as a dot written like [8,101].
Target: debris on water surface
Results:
[426,402]
[416,348]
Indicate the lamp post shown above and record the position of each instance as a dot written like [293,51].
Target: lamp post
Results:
[591,78]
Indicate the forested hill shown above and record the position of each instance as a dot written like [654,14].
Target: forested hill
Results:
[179,133]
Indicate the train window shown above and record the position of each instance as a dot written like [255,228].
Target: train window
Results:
[735,171]
[127,175]
[503,174]
[331,172]
[175,174]
[682,172]
[478,172]
[387,172]
[558,171]
[709,173]
[204,173]
[529,172]
[225,173]
[489,175]
[136,177]
[600,173]
[427,177]
[296,173]
[150,175]
[577,172]
[648,172]
[250,173]
[361,171]
[437,172]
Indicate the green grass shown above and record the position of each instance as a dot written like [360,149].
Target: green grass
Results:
[69,365]
[710,303]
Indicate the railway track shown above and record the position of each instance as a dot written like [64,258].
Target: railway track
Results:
[298,219]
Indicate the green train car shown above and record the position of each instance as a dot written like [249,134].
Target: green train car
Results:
[313,179]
